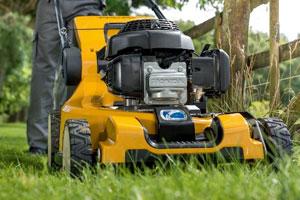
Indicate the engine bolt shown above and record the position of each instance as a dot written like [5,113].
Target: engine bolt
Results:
[180,69]
[149,70]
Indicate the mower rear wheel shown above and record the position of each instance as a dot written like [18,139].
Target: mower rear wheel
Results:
[53,139]
[277,138]
[77,147]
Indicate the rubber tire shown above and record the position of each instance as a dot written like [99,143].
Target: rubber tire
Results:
[81,154]
[277,138]
[53,139]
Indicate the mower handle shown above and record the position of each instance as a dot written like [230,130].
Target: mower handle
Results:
[153,6]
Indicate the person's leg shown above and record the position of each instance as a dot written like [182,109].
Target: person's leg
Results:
[45,59]
[72,9]
[45,62]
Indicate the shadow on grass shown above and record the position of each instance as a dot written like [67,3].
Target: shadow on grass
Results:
[21,159]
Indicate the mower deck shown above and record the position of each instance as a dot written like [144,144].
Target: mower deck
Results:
[117,133]
[125,134]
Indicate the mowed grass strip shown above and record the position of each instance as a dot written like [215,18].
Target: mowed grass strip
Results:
[23,176]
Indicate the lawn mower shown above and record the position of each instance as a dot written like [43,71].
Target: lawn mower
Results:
[137,91]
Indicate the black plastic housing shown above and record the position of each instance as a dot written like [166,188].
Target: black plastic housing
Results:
[172,130]
[148,40]
[72,66]
[211,71]
[124,75]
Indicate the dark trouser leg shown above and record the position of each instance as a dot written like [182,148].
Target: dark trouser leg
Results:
[45,58]
[45,62]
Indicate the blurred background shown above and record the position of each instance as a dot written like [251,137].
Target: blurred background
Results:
[207,22]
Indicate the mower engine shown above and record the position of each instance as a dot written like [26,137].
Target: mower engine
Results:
[150,62]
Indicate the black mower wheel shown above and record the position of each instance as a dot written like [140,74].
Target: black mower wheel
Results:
[53,140]
[77,147]
[277,138]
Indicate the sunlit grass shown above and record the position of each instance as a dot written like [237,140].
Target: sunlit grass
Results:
[23,176]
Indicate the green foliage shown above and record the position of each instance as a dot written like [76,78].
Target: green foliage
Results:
[259,109]
[216,4]
[13,37]
[257,42]
[15,51]
[289,70]
[118,7]
[23,176]
[15,91]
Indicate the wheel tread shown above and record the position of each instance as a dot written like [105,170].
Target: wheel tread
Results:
[82,154]
[278,137]
[55,118]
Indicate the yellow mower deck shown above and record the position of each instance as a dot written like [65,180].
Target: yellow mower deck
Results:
[116,132]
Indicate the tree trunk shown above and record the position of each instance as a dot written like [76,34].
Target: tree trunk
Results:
[235,28]
[2,76]
[20,116]
[274,55]
[218,29]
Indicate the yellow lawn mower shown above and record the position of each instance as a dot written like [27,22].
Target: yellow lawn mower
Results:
[136,91]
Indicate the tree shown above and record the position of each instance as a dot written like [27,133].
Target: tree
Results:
[235,41]
[15,53]
[24,7]
[274,55]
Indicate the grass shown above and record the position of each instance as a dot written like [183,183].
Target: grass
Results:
[23,176]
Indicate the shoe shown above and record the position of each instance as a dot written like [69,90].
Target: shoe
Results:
[37,151]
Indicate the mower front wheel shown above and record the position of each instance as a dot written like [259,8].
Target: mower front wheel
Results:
[277,138]
[77,147]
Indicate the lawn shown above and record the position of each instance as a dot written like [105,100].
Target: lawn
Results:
[23,176]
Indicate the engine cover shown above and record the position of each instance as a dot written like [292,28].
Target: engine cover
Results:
[165,86]
[148,35]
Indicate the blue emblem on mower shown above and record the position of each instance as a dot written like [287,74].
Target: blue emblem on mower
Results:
[173,115]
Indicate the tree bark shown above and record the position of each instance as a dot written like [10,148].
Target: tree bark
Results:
[287,51]
[218,29]
[256,3]
[201,29]
[274,73]
[235,26]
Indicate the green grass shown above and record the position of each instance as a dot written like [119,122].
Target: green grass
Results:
[23,176]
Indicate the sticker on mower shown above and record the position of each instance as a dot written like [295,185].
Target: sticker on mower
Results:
[173,115]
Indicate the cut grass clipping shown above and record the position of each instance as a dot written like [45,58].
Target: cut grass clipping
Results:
[23,176]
